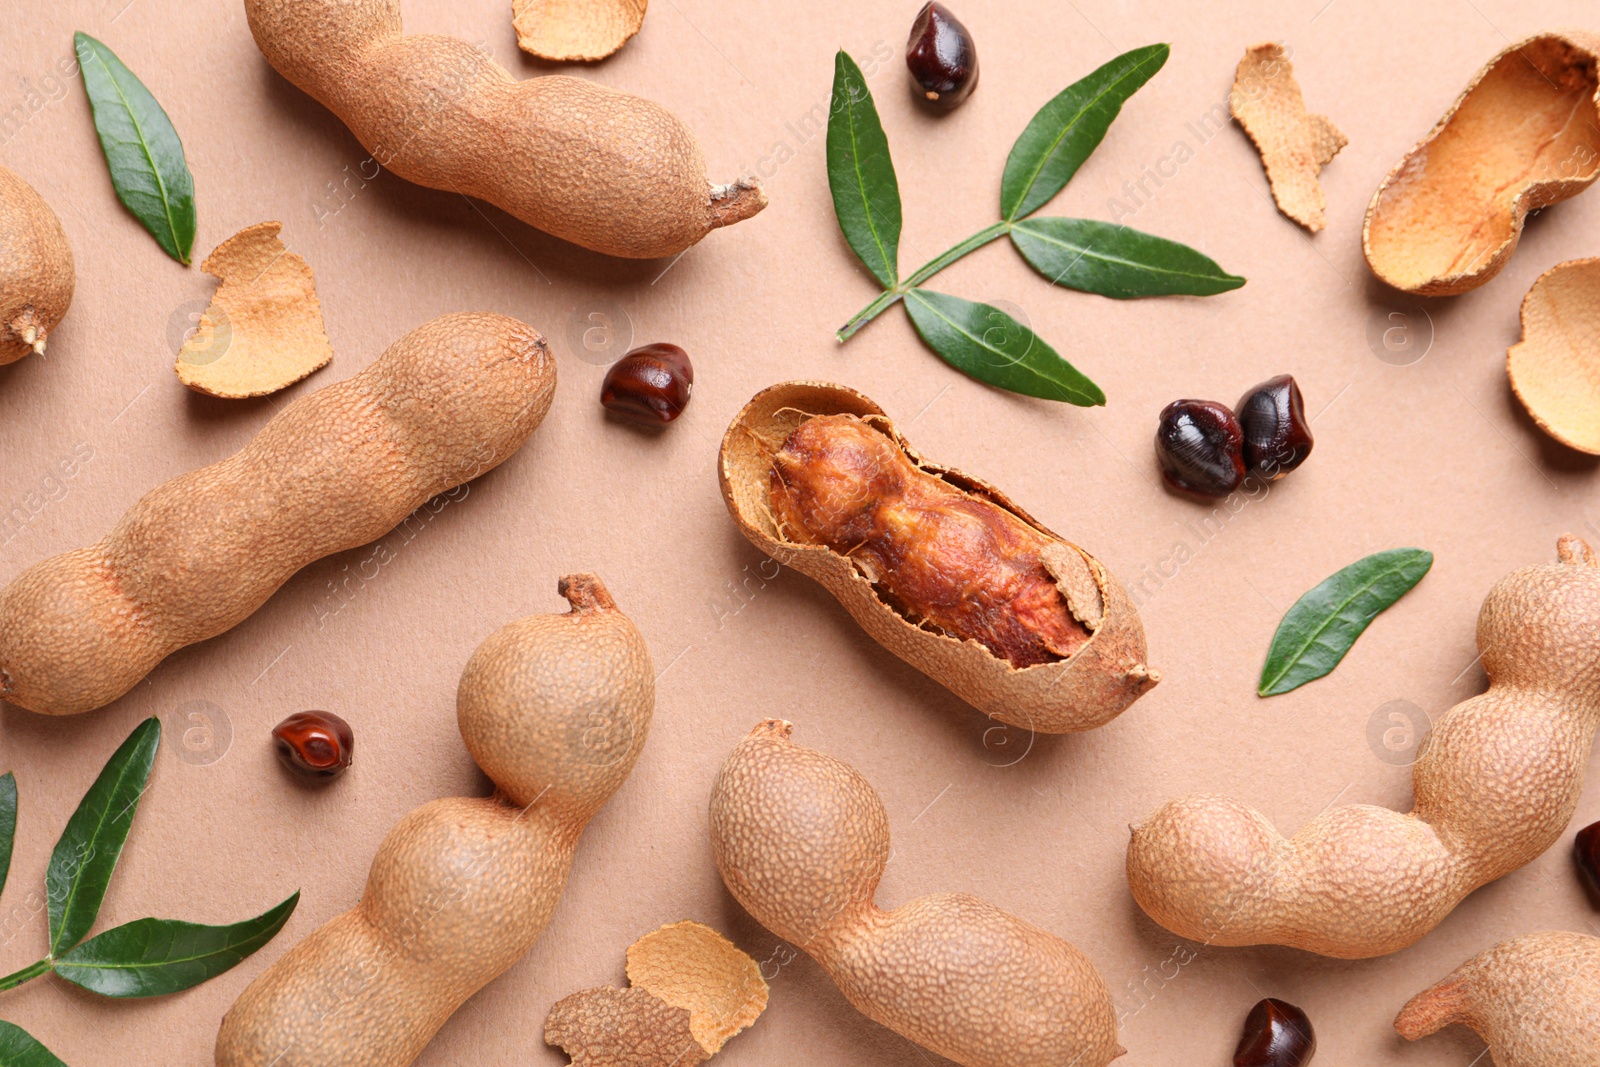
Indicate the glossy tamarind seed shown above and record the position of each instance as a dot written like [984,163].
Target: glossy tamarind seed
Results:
[1276,1034]
[318,743]
[1586,851]
[651,384]
[1277,437]
[941,57]
[1200,446]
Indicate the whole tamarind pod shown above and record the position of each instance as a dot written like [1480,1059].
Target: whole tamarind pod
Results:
[336,469]
[801,840]
[600,168]
[1535,999]
[555,709]
[1496,784]
[36,271]
[938,567]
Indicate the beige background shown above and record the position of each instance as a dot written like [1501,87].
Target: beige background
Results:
[1435,454]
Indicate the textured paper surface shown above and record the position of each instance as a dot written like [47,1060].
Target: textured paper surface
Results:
[1436,453]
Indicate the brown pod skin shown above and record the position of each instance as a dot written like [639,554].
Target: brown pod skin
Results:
[555,709]
[600,168]
[1092,687]
[801,840]
[1496,784]
[36,272]
[1524,134]
[1535,999]
[336,469]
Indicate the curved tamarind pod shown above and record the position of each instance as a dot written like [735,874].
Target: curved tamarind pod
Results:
[555,709]
[36,271]
[801,840]
[1534,999]
[336,469]
[1496,784]
[600,168]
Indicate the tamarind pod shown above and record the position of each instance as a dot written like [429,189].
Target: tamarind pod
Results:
[336,469]
[1496,784]
[555,709]
[36,270]
[592,165]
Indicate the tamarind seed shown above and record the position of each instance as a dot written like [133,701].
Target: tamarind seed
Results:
[318,743]
[941,57]
[650,384]
[1201,447]
[1276,1034]
[1586,850]
[1277,437]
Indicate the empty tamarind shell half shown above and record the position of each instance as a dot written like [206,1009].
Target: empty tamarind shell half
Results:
[1524,134]
[1089,688]
[1535,1000]
[1555,368]
[575,29]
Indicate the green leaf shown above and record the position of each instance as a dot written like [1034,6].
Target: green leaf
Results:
[1115,261]
[1068,129]
[866,195]
[1323,624]
[87,853]
[18,1048]
[8,824]
[148,168]
[991,346]
[153,957]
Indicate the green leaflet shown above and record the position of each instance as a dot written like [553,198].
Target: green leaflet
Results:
[87,852]
[148,168]
[1115,261]
[8,824]
[1069,128]
[866,194]
[984,342]
[153,957]
[18,1048]
[1323,624]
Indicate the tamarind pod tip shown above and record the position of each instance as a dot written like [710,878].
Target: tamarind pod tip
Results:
[1573,549]
[1432,1009]
[736,202]
[586,593]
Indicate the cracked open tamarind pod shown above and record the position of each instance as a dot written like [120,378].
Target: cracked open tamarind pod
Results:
[1535,999]
[938,567]
[336,469]
[801,840]
[555,709]
[1496,785]
[595,166]
[36,272]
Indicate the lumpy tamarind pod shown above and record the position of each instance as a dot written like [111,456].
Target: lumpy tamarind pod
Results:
[1496,784]
[801,840]
[937,566]
[36,271]
[600,168]
[1535,999]
[555,709]
[336,469]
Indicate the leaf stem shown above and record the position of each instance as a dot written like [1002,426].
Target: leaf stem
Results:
[889,297]
[27,974]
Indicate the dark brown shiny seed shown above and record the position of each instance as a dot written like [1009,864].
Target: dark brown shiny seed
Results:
[318,743]
[1276,1034]
[941,57]
[649,385]
[1277,437]
[1586,850]
[1199,444]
